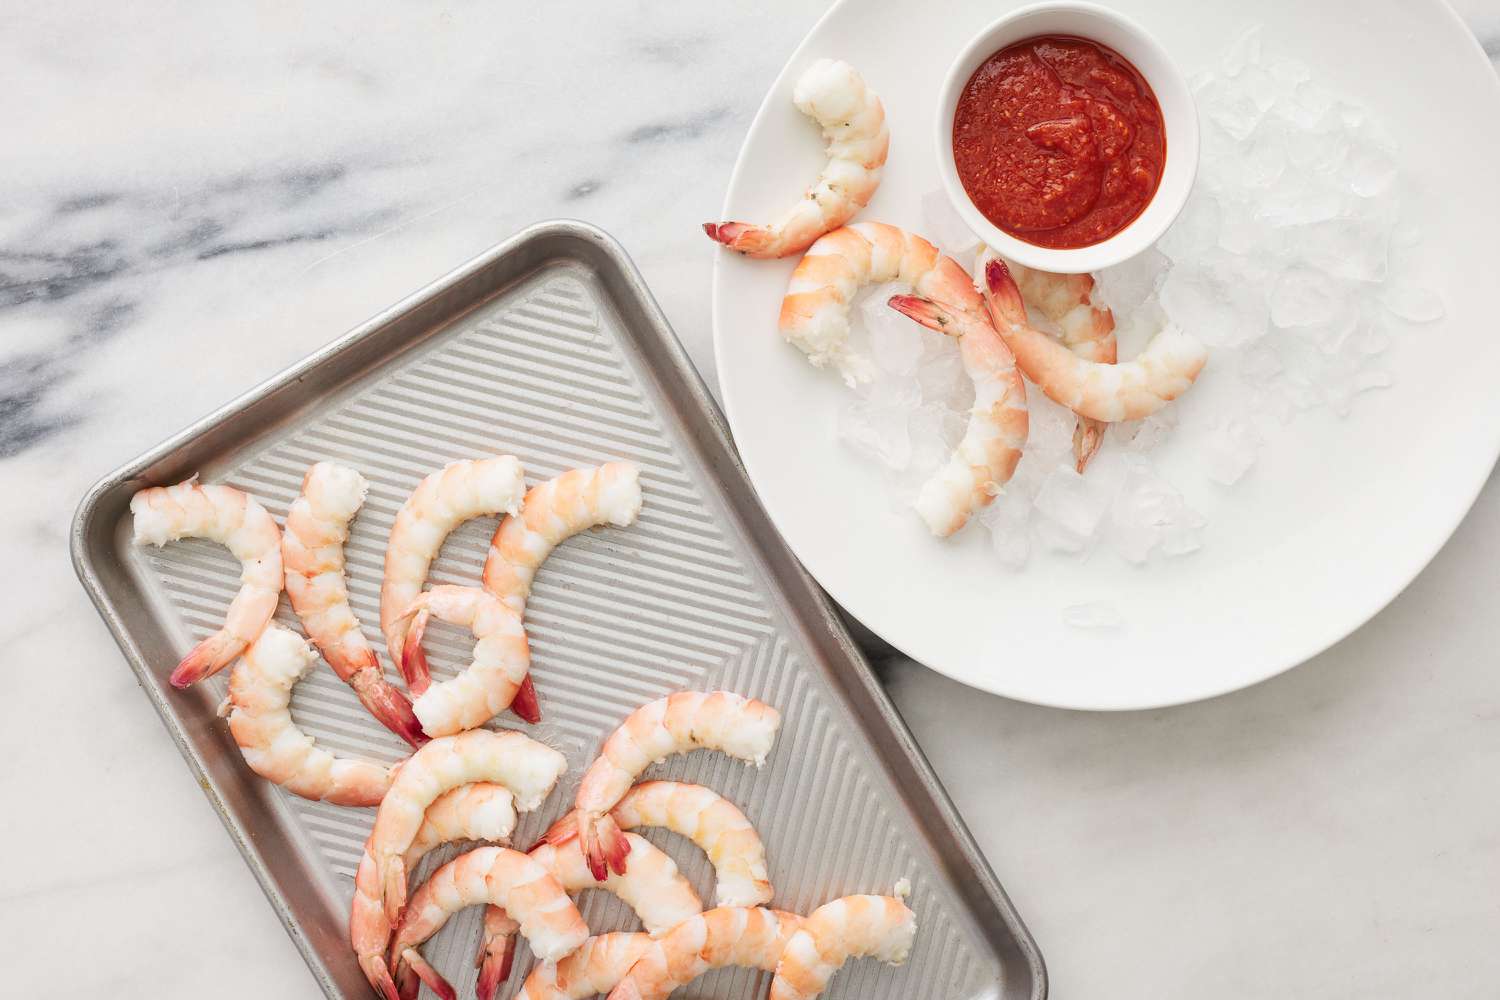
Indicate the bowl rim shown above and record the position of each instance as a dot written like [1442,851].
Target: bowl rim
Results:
[1164,76]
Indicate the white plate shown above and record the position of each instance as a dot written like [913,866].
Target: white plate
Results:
[1337,516]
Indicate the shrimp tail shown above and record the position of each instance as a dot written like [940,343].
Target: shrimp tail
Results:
[742,237]
[395,890]
[414,667]
[605,847]
[379,976]
[926,312]
[428,974]
[497,953]
[525,703]
[207,658]
[1003,296]
[559,833]
[1088,435]
[628,989]
[388,705]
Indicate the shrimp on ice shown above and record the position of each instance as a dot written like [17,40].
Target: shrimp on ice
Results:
[528,768]
[238,522]
[595,968]
[990,450]
[1130,390]
[710,821]
[687,720]
[519,884]
[258,707]
[488,686]
[736,935]
[312,549]
[653,888]
[551,513]
[815,312]
[458,492]
[835,96]
[880,927]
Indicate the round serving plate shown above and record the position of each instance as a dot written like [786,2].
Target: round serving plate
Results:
[1338,514]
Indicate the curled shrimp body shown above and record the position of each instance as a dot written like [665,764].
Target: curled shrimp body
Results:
[481,811]
[991,447]
[487,687]
[815,312]
[458,492]
[1085,327]
[835,96]
[652,886]
[712,822]
[737,935]
[595,968]
[312,549]
[497,875]
[235,520]
[1131,390]
[853,927]
[687,720]
[259,710]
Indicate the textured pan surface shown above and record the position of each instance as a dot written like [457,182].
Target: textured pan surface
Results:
[549,349]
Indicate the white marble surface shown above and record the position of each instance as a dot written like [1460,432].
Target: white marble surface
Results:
[194,200]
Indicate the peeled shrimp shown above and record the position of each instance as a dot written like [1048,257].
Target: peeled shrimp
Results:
[481,811]
[835,96]
[853,927]
[489,684]
[234,519]
[709,820]
[528,768]
[737,935]
[454,494]
[312,548]
[597,965]
[258,706]
[520,884]
[688,720]
[1084,327]
[815,311]
[1131,390]
[991,447]
[653,887]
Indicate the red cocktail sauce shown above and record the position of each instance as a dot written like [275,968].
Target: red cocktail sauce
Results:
[1059,141]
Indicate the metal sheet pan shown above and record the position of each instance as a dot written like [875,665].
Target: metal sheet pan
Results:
[550,347]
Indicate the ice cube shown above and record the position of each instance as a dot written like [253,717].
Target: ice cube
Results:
[941,375]
[1412,303]
[892,337]
[1300,200]
[1303,297]
[1126,286]
[930,439]
[1185,534]
[1142,436]
[1371,167]
[1259,364]
[1096,616]
[1243,51]
[944,227]
[877,432]
[1232,449]
[1196,229]
[1216,298]
[1050,426]
[1073,502]
[1007,521]
[1230,106]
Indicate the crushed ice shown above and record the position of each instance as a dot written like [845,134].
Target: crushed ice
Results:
[1286,261]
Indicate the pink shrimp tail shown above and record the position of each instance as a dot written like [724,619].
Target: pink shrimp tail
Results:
[496,956]
[394,895]
[428,975]
[1001,293]
[625,989]
[560,832]
[414,667]
[206,659]
[525,703]
[740,237]
[1088,435]
[605,848]
[388,705]
[925,311]
[379,976]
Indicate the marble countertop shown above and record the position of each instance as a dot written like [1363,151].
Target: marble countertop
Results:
[187,211]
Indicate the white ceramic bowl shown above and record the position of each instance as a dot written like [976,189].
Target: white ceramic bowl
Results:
[1179,116]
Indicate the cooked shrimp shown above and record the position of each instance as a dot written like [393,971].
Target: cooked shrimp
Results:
[713,823]
[815,311]
[991,447]
[312,548]
[489,684]
[258,706]
[853,927]
[653,887]
[1085,328]
[835,96]
[509,879]
[481,811]
[597,965]
[688,720]
[735,935]
[235,520]
[1131,390]
[454,494]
